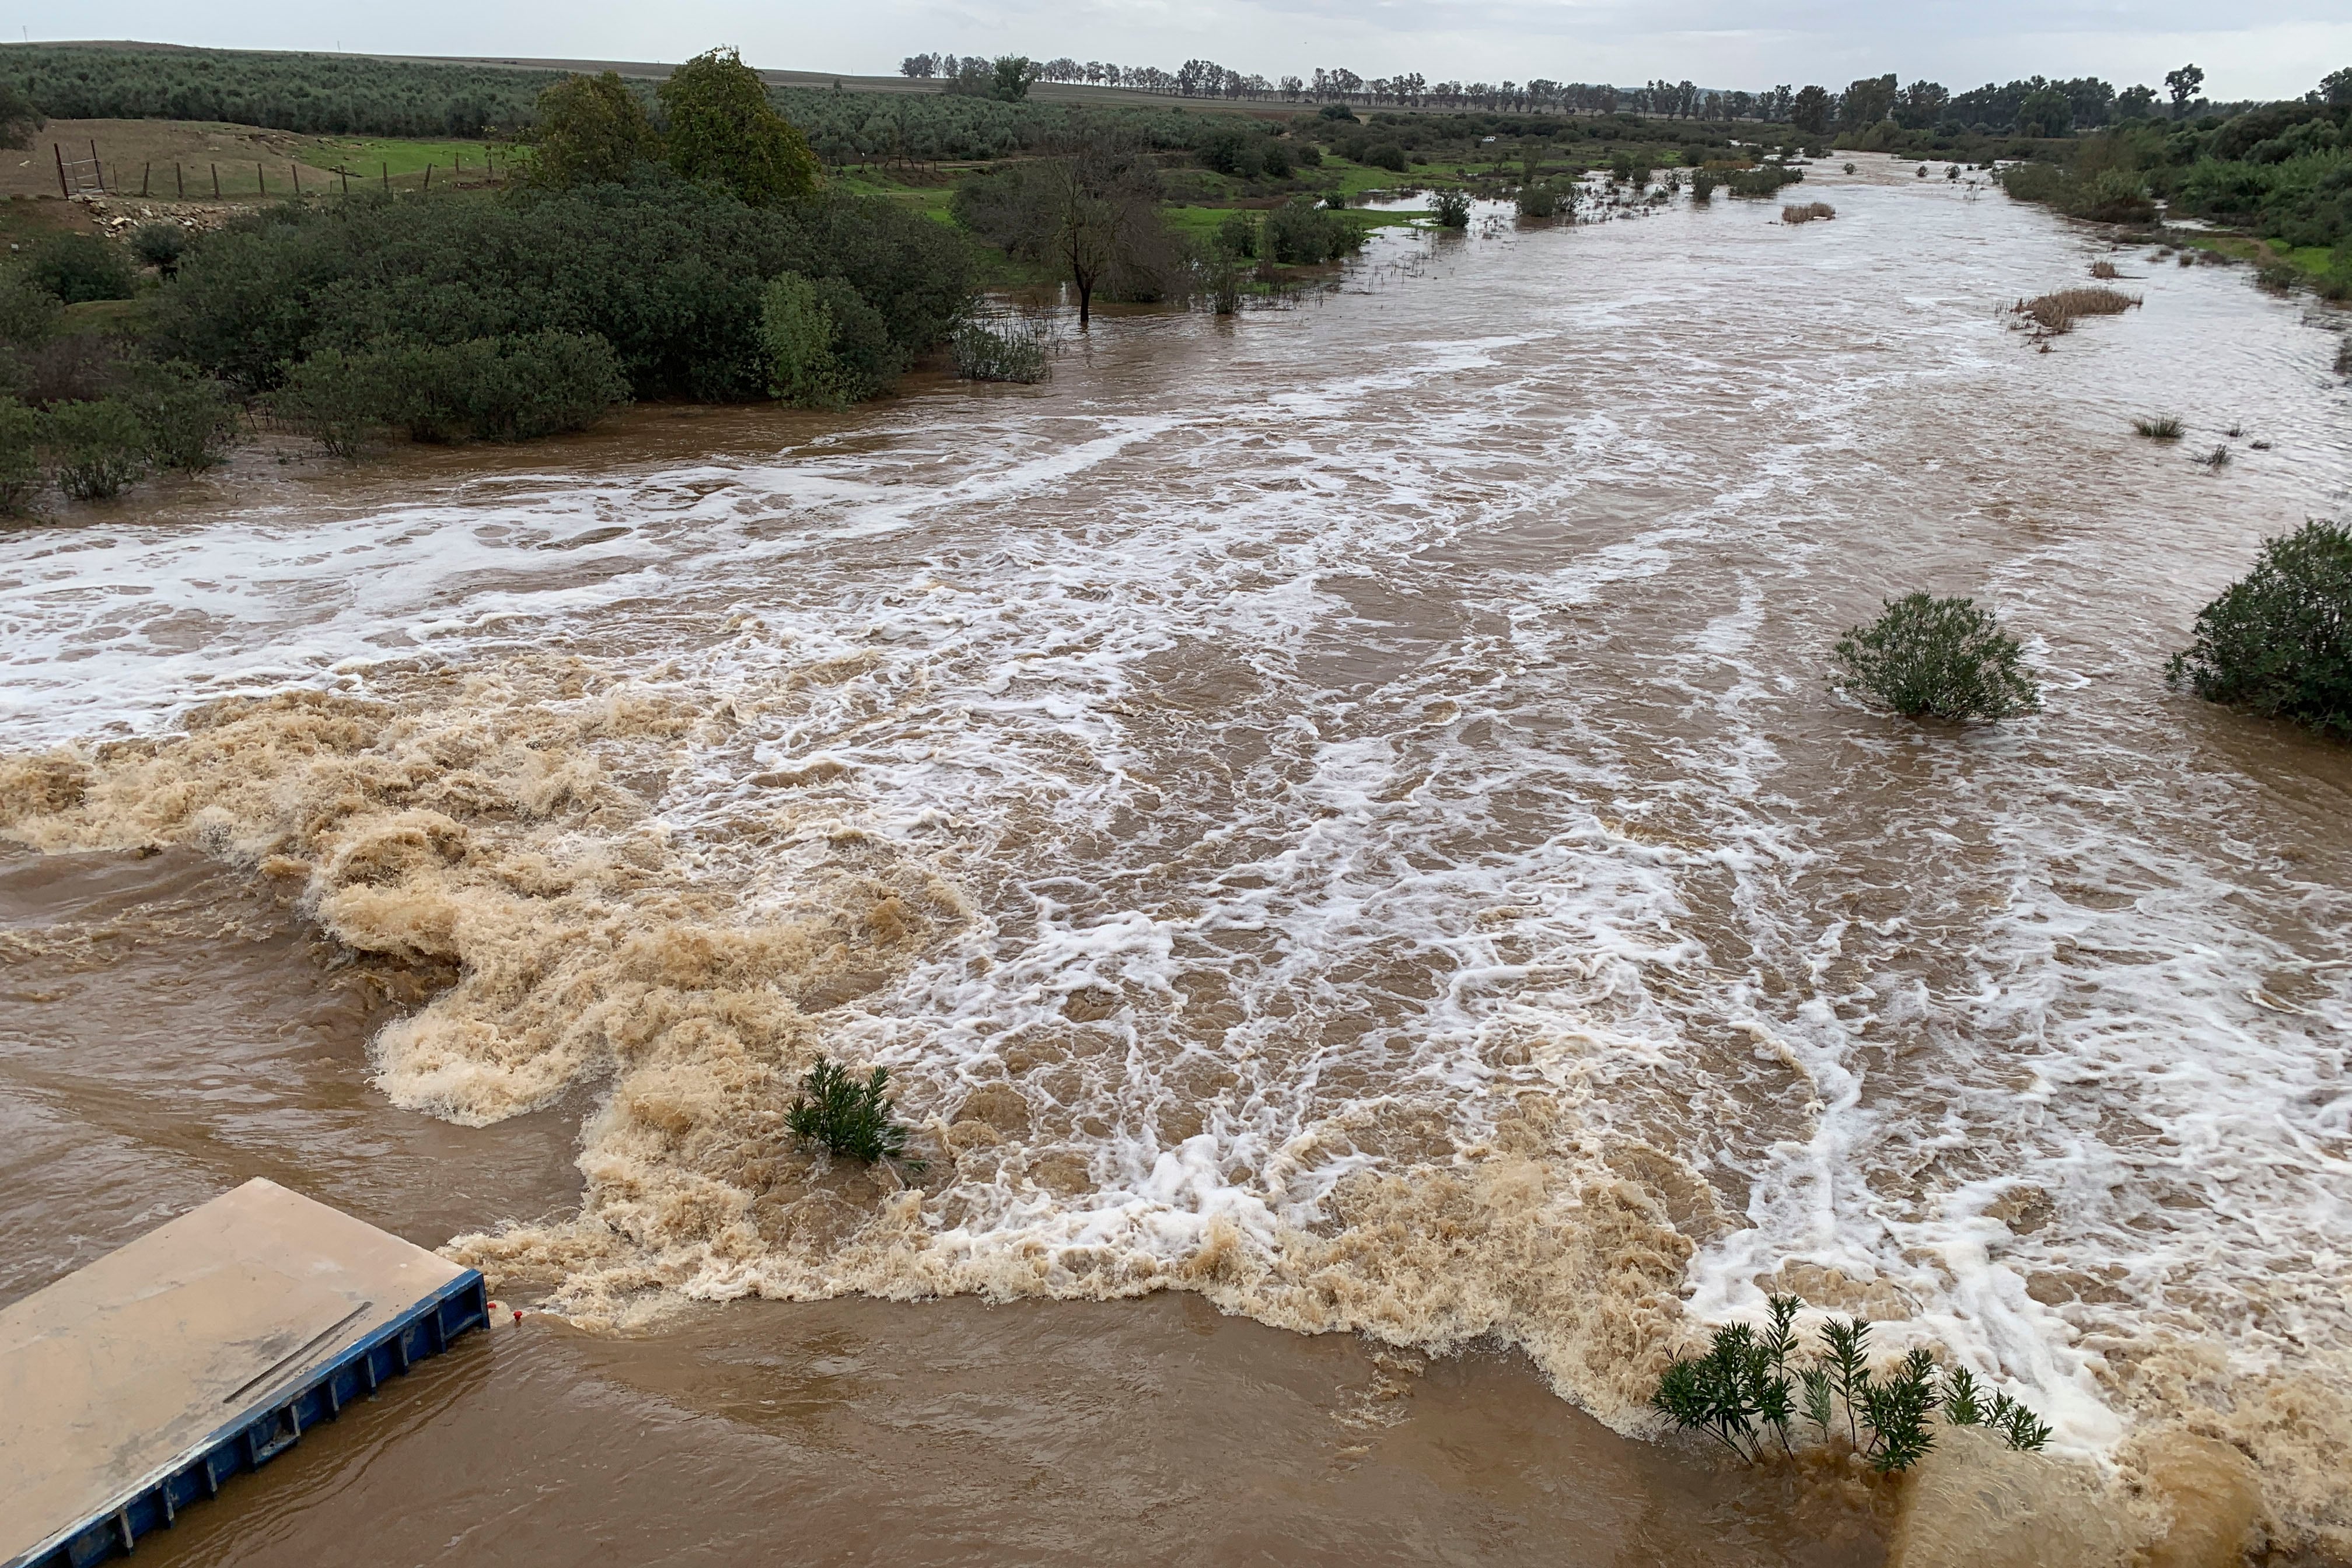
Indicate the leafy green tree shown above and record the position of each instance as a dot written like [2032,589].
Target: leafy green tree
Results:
[592,130]
[1866,102]
[1012,77]
[189,421]
[2184,85]
[1093,209]
[2278,641]
[723,130]
[160,245]
[1809,111]
[18,118]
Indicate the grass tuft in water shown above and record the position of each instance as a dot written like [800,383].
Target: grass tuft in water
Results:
[2057,311]
[2158,427]
[2278,641]
[2105,269]
[848,1116]
[2216,460]
[1937,658]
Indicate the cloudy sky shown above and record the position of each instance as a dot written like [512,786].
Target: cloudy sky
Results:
[2250,48]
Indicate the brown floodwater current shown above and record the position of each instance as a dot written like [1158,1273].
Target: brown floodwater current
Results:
[1335,822]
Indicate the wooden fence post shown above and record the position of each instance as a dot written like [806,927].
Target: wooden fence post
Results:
[260,183]
[216,182]
[180,178]
[295,170]
[144,170]
[63,189]
[428,178]
[387,179]
[97,168]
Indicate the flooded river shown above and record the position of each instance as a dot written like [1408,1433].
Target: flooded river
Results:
[1335,822]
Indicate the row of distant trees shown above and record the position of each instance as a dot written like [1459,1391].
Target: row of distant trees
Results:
[2033,106]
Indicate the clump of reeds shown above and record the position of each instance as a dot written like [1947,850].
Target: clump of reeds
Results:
[2217,459]
[1807,212]
[2160,427]
[2058,312]
[2105,269]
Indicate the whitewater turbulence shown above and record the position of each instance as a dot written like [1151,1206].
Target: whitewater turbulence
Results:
[1342,814]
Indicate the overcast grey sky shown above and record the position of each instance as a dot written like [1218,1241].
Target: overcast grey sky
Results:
[2250,48]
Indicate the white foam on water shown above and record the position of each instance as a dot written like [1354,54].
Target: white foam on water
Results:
[1342,744]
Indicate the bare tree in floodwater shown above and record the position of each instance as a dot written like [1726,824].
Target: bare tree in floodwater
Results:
[1092,207]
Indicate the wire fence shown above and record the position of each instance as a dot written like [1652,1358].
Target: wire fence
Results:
[262,180]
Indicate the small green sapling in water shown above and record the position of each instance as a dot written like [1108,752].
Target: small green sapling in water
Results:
[848,1116]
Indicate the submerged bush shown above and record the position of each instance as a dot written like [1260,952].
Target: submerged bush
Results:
[1007,351]
[1451,207]
[94,448]
[1237,235]
[1937,658]
[847,1116]
[77,269]
[2057,312]
[2158,427]
[1810,211]
[1765,181]
[498,389]
[1751,1387]
[2278,641]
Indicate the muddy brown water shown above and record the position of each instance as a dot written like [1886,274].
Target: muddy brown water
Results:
[1335,821]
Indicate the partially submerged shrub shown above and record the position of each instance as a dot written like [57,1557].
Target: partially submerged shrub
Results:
[1703,184]
[1004,351]
[2215,460]
[79,267]
[94,448]
[1451,207]
[332,398]
[1807,213]
[2105,269]
[2158,427]
[498,389]
[1937,658]
[1301,233]
[848,1116]
[2278,641]
[1536,199]
[826,347]
[20,456]
[1749,1388]
[2057,312]
[1237,234]
[189,420]
[2277,276]
[1763,181]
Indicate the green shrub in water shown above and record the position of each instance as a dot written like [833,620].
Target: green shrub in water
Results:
[95,448]
[1536,200]
[189,420]
[1450,207]
[827,348]
[333,398]
[1301,233]
[846,1115]
[496,389]
[1007,351]
[1937,658]
[1749,1388]
[2278,641]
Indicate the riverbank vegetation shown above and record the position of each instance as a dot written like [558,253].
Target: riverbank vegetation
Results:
[2278,641]
[850,1117]
[2277,178]
[1937,658]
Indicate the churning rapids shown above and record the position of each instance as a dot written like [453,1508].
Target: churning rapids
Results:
[1336,811]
